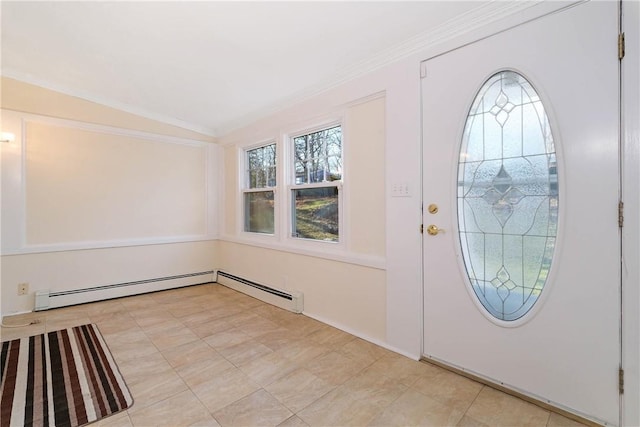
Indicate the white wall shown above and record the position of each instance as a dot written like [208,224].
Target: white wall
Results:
[101,200]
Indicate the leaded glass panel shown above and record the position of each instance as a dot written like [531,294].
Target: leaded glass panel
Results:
[507,196]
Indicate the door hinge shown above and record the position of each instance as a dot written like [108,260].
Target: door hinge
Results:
[621,380]
[620,46]
[421,228]
[620,213]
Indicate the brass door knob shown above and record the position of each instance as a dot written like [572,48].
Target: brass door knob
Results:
[433,230]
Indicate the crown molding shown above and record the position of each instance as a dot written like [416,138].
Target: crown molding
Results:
[27,78]
[473,20]
[485,14]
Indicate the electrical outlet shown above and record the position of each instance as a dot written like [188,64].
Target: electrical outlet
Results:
[23,288]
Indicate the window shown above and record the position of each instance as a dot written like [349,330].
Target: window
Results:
[259,188]
[507,196]
[317,174]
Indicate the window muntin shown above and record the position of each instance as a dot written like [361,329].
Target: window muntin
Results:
[507,196]
[259,195]
[317,174]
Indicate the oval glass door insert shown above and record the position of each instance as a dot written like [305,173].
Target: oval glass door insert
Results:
[507,196]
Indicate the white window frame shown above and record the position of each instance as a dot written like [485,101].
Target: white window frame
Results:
[288,141]
[245,188]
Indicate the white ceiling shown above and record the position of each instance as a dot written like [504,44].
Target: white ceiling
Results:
[211,66]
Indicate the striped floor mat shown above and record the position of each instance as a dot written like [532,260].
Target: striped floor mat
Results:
[61,378]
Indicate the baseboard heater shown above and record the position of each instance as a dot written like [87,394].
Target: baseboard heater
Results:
[46,299]
[289,300]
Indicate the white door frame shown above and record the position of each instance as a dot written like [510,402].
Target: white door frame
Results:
[630,134]
[630,144]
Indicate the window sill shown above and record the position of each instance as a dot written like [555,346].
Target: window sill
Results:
[326,252]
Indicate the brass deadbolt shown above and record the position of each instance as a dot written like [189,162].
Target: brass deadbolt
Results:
[433,208]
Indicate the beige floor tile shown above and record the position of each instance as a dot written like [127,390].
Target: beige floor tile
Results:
[303,352]
[114,322]
[301,324]
[170,334]
[138,302]
[278,339]
[268,368]
[299,389]
[183,409]
[206,329]
[24,318]
[224,388]
[186,308]
[244,317]
[226,338]
[557,420]
[71,312]
[149,317]
[416,409]
[200,317]
[196,362]
[496,408]
[244,352]
[64,322]
[172,296]
[121,419]
[334,368]
[397,366]
[448,388]
[129,345]
[259,326]
[363,352]
[355,403]
[331,337]
[10,334]
[257,409]
[467,421]
[189,353]
[104,307]
[150,379]
[293,421]
[268,311]
[197,328]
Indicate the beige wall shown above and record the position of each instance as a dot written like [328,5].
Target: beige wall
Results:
[345,284]
[93,196]
[364,170]
[20,96]
[351,297]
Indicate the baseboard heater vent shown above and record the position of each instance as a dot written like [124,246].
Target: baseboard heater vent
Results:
[289,300]
[46,299]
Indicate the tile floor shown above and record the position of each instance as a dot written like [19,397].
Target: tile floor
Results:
[207,356]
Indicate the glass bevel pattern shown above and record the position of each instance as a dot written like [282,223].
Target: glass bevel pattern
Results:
[507,196]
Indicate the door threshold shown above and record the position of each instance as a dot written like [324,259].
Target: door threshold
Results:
[541,403]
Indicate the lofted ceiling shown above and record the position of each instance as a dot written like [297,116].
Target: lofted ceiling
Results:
[213,66]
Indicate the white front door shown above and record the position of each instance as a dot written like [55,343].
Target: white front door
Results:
[522,285]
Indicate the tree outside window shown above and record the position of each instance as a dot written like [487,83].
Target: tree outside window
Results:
[259,192]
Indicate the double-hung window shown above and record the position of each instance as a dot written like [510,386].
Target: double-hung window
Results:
[259,189]
[317,176]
